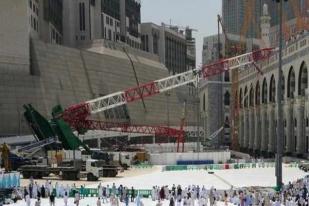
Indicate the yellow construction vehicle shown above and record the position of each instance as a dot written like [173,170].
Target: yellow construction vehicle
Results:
[5,154]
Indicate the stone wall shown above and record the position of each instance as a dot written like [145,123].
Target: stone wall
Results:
[14,33]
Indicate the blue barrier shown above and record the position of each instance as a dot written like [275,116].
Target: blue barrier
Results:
[194,162]
[9,180]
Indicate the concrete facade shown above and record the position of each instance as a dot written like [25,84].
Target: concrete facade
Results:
[257,99]
[14,35]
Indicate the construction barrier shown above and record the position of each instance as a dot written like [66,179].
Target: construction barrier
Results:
[93,192]
[9,180]
[224,166]
[194,162]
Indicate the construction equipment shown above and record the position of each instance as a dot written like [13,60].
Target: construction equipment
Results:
[37,145]
[11,161]
[5,152]
[71,170]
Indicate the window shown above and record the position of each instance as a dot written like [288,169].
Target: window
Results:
[82,16]
[227,98]
[111,22]
[53,34]
[204,102]
[34,24]
[295,122]
[226,76]
[307,122]
[107,20]
[307,144]
[109,34]
[295,143]
[303,80]
[31,21]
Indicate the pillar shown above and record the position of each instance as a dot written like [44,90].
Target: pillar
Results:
[246,128]
[264,128]
[271,128]
[257,129]
[241,129]
[300,130]
[289,128]
[251,127]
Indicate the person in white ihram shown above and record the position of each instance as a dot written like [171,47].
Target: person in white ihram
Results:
[28,201]
[65,198]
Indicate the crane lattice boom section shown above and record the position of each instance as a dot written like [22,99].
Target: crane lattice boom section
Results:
[131,128]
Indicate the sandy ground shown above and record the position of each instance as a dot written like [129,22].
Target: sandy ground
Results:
[132,172]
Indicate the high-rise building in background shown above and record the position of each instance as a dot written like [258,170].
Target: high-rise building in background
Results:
[175,47]
[234,13]
[113,20]
[191,49]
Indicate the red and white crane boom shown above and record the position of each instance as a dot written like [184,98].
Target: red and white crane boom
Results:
[80,112]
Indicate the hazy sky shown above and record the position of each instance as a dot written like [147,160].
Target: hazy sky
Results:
[198,14]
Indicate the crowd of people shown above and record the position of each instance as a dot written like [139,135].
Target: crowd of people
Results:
[292,194]
[106,194]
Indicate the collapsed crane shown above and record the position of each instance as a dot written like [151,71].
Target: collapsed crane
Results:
[78,116]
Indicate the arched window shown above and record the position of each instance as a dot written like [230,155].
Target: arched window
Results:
[272,89]
[295,122]
[257,93]
[251,100]
[227,98]
[291,83]
[246,97]
[264,92]
[240,98]
[303,79]
[307,122]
